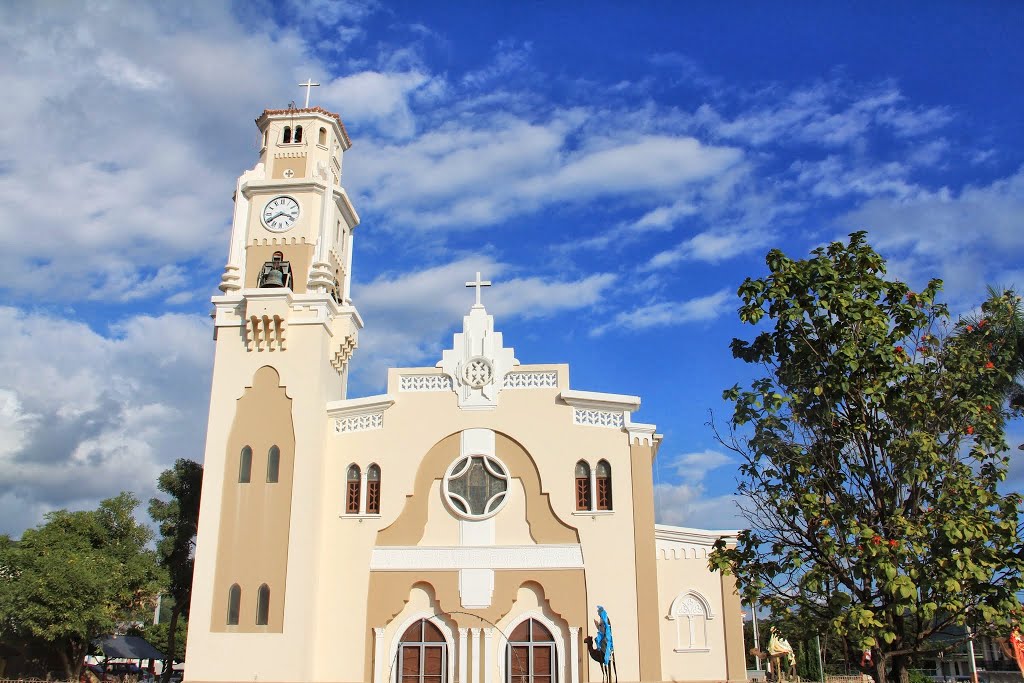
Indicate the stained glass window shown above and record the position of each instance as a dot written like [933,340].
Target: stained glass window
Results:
[476,486]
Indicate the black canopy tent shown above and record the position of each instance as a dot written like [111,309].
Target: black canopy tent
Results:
[127,647]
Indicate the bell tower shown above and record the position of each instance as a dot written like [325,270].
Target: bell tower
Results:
[285,329]
[292,233]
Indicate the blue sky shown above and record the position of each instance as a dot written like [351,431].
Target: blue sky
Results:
[616,169]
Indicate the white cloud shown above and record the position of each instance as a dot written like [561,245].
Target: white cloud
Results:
[829,113]
[964,238]
[413,313]
[686,505]
[667,313]
[377,99]
[695,465]
[499,166]
[86,415]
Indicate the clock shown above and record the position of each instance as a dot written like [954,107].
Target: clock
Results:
[280,213]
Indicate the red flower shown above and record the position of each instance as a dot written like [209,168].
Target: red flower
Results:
[876,540]
[981,323]
[893,543]
[899,349]
[988,408]
[922,348]
[860,547]
[970,328]
[989,365]
[970,429]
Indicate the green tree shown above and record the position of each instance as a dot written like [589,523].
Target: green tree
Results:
[178,519]
[76,577]
[872,452]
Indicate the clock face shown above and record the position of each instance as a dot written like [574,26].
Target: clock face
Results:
[280,213]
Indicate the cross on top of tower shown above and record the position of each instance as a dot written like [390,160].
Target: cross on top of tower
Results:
[308,85]
[478,283]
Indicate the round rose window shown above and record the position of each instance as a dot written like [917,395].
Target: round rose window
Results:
[475,486]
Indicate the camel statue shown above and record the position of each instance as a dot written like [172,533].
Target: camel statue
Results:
[776,669]
[780,658]
[602,649]
[597,654]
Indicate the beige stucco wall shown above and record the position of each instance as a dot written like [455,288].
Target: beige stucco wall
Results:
[421,421]
[686,569]
[311,381]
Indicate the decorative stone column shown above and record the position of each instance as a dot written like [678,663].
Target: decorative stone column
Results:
[463,647]
[488,654]
[474,644]
[378,655]
[574,654]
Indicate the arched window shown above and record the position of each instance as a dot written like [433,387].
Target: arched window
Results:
[234,601]
[287,135]
[423,654]
[530,656]
[263,605]
[273,464]
[603,481]
[352,491]
[582,486]
[265,136]
[245,466]
[298,133]
[373,490]
[322,139]
[691,611]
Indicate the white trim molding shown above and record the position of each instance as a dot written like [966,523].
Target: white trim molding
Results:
[593,400]
[548,556]
[359,414]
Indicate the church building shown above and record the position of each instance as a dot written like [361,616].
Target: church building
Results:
[463,527]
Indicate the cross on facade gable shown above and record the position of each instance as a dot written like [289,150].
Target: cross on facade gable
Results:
[478,283]
[308,85]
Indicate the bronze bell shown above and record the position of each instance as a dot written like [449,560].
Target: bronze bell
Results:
[275,278]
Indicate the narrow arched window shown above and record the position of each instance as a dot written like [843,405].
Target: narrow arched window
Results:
[262,605]
[234,601]
[245,466]
[423,654]
[373,490]
[298,133]
[323,137]
[530,654]
[273,464]
[582,486]
[352,491]
[287,135]
[604,485]
[265,136]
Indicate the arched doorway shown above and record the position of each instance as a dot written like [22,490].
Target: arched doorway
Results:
[422,654]
[530,656]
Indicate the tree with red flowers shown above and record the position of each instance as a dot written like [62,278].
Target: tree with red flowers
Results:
[872,455]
